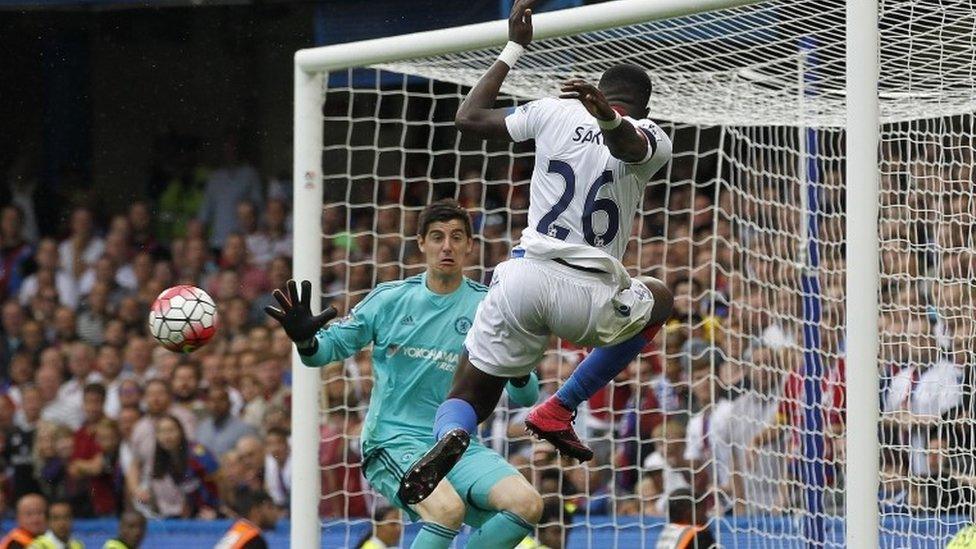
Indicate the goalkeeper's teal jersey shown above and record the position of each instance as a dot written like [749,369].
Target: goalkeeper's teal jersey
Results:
[417,337]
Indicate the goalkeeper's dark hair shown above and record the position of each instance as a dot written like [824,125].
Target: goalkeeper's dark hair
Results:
[443,210]
[627,79]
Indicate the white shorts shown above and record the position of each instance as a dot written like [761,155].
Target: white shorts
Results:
[531,299]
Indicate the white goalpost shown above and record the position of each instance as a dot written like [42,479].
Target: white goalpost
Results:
[818,222]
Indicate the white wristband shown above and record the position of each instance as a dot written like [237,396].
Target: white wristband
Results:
[610,124]
[511,53]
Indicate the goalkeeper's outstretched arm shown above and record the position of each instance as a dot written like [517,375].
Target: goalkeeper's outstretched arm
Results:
[316,346]
[477,116]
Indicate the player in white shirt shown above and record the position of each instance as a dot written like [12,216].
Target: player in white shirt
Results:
[595,153]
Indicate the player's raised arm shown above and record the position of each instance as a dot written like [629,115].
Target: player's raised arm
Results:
[477,115]
[625,142]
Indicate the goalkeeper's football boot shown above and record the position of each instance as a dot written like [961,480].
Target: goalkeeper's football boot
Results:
[551,421]
[426,473]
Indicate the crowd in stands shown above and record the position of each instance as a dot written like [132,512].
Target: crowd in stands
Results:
[94,413]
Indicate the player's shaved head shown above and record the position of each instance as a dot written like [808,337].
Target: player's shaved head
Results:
[628,85]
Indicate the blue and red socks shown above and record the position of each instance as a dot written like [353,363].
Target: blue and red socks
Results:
[600,367]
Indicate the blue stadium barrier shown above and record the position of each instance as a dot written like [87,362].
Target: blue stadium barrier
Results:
[596,531]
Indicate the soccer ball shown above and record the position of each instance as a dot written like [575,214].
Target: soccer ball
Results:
[183,318]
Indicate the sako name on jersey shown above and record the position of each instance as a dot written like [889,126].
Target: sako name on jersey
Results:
[595,137]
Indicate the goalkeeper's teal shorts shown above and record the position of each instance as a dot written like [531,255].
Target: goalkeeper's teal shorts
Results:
[472,477]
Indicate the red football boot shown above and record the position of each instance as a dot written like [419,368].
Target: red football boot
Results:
[553,422]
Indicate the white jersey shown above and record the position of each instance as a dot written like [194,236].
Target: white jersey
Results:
[582,200]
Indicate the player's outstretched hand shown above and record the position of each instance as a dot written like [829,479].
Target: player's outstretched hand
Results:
[520,22]
[295,314]
[590,96]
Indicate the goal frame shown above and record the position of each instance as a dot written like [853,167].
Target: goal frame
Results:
[311,67]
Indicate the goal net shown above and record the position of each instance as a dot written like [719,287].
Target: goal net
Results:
[740,402]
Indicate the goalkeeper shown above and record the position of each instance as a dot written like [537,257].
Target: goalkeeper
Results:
[417,327]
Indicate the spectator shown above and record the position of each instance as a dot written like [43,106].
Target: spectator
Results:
[109,439]
[921,392]
[276,228]
[94,490]
[279,271]
[21,375]
[215,376]
[186,389]
[48,265]
[385,531]
[132,530]
[103,272]
[233,182]
[228,483]
[220,430]
[12,319]
[234,257]
[671,386]
[108,372]
[18,449]
[713,415]
[196,265]
[137,360]
[94,315]
[130,393]
[48,380]
[31,522]
[129,417]
[82,248]
[52,451]
[158,403]
[58,536]
[271,373]
[686,528]
[257,512]
[132,315]
[81,361]
[65,327]
[141,237]
[250,451]
[179,481]
[651,490]
[277,467]
[669,443]
[254,403]
[946,487]
[338,457]
[256,241]
[136,273]
[757,462]
[15,251]
[32,339]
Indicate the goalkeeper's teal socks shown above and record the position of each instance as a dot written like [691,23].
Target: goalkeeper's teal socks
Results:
[600,367]
[433,536]
[526,394]
[502,530]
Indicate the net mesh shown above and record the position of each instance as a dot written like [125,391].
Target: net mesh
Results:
[741,399]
